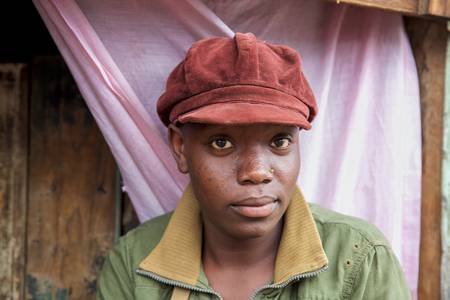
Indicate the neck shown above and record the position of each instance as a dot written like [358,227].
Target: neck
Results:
[225,251]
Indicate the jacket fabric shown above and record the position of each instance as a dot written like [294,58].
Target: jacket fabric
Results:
[322,255]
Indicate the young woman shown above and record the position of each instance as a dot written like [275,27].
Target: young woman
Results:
[234,108]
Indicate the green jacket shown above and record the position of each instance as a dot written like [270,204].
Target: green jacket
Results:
[322,255]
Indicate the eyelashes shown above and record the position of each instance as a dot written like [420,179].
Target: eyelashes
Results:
[224,143]
[221,143]
[281,143]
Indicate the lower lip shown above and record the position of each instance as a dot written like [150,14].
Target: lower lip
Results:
[255,211]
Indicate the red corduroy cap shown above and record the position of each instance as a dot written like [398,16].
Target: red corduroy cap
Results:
[238,81]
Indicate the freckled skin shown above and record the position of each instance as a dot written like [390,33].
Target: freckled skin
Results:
[221,177]
[228,165]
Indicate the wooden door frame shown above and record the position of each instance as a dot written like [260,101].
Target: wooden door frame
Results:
[422,8]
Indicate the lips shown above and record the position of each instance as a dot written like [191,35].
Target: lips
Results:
[259,207]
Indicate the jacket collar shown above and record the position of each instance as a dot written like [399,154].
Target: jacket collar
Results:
[178,255]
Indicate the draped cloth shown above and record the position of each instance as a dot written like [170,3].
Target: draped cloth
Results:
[363,155]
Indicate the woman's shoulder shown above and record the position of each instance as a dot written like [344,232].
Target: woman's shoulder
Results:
[360,258]
[329,221]
[140,241]
[117,278]
[149,230]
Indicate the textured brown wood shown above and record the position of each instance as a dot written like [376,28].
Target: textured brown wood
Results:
[13,178]
[438,8]
[129,217]
[429,40]
[403,6]
[71,189]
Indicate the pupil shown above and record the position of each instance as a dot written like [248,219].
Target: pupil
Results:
[279,142]
[221,143]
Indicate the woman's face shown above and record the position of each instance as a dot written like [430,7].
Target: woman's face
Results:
[242,176]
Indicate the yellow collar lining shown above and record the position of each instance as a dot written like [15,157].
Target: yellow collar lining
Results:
[178,255]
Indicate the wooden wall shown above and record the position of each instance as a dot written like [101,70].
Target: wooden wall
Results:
[13,178]
[429,43]
[57,183]
[445,266]
[435,8]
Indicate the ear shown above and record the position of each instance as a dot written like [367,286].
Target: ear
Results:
[176,143]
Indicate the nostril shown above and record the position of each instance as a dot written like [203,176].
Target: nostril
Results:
[255,178]
[254,172]
[247,181]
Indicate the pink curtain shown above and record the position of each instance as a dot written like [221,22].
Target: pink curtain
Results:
[363,155]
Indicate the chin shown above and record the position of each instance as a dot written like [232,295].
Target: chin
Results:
[252,230]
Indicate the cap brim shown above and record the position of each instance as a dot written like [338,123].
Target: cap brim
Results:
[244,113]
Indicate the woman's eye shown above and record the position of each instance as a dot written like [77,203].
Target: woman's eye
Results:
[221,144]
[281,143]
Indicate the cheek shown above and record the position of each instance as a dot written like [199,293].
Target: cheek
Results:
[204,176]
[211,177]
[288,168]
[293,168]
[290,163]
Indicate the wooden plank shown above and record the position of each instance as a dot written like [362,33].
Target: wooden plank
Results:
[403,6]
[71,189]
[428,40]
[13,178]
[445,267]
[129,216]
[439,8]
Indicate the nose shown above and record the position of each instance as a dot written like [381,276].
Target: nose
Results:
[253,170]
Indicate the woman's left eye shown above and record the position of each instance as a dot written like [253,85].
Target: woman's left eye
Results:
[281,143]
[221,144]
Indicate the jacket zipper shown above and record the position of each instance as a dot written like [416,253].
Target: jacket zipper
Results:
[176,283]
[288,281]
[253,296]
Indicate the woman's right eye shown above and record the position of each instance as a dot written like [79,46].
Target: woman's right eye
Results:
[221,144]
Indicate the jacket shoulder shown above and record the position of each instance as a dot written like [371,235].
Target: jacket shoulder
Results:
[141,240]
[362,265]
[154,226]
[117,278]
[328,220]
